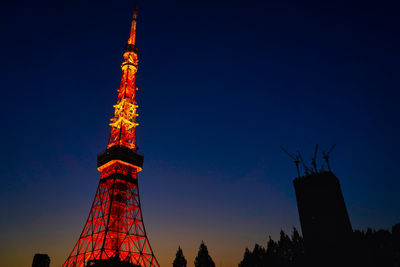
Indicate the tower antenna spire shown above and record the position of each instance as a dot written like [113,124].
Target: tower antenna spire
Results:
[132,36]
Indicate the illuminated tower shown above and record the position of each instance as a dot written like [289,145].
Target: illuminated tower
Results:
[114,232]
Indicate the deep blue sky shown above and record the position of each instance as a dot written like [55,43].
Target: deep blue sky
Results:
[221,85]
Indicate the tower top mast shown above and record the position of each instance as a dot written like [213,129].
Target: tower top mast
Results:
[132,36]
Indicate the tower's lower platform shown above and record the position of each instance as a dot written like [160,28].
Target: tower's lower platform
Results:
[111,262]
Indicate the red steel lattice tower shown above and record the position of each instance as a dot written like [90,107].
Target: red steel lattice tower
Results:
[114,229]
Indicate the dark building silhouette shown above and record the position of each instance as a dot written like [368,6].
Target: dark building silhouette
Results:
[41,260]
[324,219]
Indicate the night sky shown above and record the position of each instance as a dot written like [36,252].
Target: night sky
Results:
[221,85]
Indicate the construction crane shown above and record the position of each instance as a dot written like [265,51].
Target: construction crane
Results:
[306,169]
[326,156]
[296,159]
[314,159]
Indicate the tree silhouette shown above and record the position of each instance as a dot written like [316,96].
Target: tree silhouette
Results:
[272,252]
[396,244]
[298,253]
[180,260]
[247,259]
[284,250]
[378,248]
[203,259]
[257,258]
[287,252]
[369,248]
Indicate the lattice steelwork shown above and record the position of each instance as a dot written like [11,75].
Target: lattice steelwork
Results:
[114,228]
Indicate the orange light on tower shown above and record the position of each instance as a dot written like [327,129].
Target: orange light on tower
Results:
[123,124]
